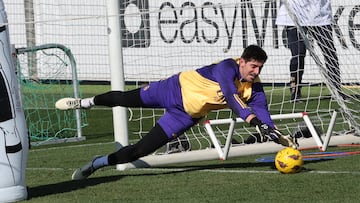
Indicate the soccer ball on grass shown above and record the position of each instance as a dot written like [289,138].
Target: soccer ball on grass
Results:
[289,160]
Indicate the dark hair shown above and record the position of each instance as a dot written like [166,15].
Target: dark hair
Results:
[254,52]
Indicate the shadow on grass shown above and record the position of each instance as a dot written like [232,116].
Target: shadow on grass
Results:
[68,186]
[271,165]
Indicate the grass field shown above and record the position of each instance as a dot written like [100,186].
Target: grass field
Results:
[240,179]
[234,180]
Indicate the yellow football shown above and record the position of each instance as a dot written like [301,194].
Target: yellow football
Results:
[289,160]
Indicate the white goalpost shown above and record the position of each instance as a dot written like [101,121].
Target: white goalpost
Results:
[154,39]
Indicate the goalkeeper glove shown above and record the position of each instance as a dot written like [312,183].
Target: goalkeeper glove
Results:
[288,141]
[266,132]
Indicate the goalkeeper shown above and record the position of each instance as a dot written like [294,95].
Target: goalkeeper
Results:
[187,98]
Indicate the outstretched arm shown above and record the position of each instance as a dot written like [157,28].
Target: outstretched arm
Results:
[225,74]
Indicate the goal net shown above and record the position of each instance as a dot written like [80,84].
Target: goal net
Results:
[161,38]
[45,73]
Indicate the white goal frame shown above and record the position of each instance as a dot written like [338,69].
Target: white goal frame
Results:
[247,149]
[74,78]
[223,152]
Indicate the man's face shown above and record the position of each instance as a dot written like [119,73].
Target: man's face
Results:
[250,70]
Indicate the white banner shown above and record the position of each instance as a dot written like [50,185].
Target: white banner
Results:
[177,35]
[162,37]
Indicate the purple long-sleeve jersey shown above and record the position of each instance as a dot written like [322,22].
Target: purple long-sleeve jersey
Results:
[211,87]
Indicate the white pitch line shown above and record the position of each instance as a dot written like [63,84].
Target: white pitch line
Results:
[75,146]
[203,170]
[69,147]
[49,169]
[243,171]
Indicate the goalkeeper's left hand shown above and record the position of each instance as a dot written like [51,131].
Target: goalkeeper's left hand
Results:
[267,132]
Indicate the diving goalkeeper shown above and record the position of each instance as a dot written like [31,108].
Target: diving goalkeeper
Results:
[187,98]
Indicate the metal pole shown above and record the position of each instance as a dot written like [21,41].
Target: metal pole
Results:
[117,73]
[30,38]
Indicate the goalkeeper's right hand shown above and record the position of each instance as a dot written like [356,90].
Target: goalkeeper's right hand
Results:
[288,141]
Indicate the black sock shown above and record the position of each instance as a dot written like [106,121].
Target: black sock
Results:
[155,139]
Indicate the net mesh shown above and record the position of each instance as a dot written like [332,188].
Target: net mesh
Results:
[43,73]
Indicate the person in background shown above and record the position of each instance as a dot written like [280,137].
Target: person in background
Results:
[315,18]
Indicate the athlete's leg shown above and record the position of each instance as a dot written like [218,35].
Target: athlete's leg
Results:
[163,93]
[119,98]
[172,124]
[297,62]
[112,98]
[148,144]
